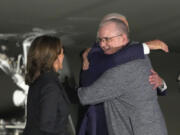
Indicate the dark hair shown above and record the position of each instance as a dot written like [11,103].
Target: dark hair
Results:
[43,51]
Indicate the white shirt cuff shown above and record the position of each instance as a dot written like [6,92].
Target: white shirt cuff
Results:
[146,49]
[163,87]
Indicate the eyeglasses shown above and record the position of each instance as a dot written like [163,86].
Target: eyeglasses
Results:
[106,39]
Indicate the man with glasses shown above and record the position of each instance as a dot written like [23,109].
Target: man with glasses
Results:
[95,114]
[131,53]
[125,91]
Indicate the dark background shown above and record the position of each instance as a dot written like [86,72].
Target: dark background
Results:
[76,22]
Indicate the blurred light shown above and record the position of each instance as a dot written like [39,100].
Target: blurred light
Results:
[19,80]
[19,98]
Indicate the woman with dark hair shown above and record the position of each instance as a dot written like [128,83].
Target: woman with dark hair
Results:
[47,104]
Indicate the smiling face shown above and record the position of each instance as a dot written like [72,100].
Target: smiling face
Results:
[110,38]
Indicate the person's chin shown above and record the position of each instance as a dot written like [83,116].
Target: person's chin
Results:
[108,52]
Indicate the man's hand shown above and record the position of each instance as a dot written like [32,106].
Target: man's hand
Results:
[85,64]
[155,79]
[157,44]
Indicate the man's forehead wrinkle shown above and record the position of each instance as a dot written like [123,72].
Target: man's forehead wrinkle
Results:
[107,31]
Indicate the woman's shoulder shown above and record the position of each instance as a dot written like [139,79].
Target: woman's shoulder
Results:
[49,77]
[48,80]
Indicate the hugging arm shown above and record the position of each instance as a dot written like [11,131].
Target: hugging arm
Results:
[132,52]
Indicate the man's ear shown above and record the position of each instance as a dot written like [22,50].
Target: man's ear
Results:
[124,39]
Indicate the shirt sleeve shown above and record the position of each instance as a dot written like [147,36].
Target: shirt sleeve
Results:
[163,87]
[146,49]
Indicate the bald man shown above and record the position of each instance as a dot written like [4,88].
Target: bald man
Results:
[131,105]
[89,76]
[154,79]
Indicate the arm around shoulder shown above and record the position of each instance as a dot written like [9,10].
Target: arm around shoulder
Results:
[110,85]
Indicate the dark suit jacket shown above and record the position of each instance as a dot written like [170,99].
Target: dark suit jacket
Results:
[47,107]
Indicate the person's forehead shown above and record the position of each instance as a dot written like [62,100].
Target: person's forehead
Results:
[108,28]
